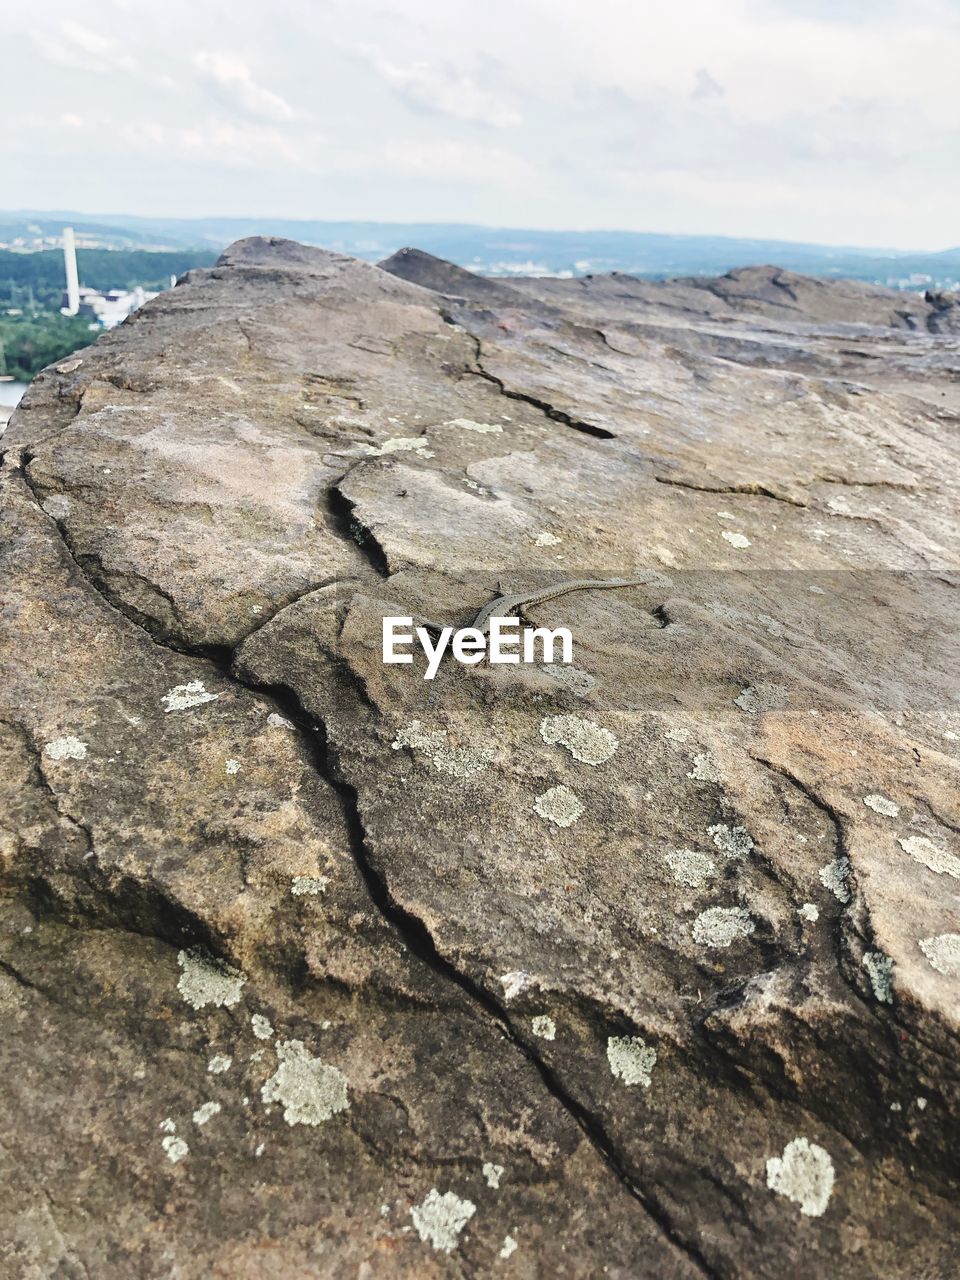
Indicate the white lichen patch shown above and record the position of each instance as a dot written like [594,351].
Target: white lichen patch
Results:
[738,540]
[175,1148]
[690,867]
[514,982]
[544,1027]
[440,1219]
[547,539]
[206,1112]
[184,696]
[943,952]
[677,735]
[262,1028]
[733,842]
[880,804]
[207,980]
[219,1063]
[168,1126]
[758,698]
[311,1091]
[493,1173]
[232,767]
[509,1248]
[305,886]
[726,515]
[804,1174]
[586,741]
[721,926]
[401,444]
[879,969]
[834,877]
[704,769]
[66,748]
[631,1059]
[276,721]
[456,762]
[559,805]
[481,428]
[929,855]
[573,679]
[808,911]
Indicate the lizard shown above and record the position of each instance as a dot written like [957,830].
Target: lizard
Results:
[510,606]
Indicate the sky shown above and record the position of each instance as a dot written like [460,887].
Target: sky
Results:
[833,121]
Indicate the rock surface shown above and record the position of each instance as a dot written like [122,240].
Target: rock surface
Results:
[648,966]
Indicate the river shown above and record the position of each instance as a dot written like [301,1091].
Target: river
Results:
[10,393]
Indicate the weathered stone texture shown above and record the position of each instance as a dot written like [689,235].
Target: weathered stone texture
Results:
[647,967]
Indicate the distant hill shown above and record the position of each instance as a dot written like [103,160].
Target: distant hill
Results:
[516,251]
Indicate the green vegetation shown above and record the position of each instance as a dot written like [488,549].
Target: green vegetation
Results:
[29,343]
[32,284]
[35,281]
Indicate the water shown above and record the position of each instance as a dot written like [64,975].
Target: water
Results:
[10,393]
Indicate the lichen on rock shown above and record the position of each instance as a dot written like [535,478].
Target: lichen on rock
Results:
[733,842]
[207,980]
[66,748]
[631,1059]
[924,851]
[690,867]
[722,926]
[439,1219]
[588,742]
[310,1090]
[879,969]
[883,805]
[454,761]
[559,805]
[184,696]
[943,952]
[834,877]
[804,1174]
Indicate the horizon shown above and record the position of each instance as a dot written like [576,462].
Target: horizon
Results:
[126,217]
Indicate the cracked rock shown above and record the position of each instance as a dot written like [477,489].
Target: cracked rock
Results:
[496,986]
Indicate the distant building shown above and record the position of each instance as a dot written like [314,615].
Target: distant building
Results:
[107,309]
[72,292]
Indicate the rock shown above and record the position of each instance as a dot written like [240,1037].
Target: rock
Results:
[446,278]
[685,1042]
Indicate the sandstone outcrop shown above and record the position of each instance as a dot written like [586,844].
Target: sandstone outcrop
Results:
[648,966]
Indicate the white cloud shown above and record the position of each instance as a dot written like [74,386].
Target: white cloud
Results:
[69,44]
[231,76]
[444,90]
[829,120]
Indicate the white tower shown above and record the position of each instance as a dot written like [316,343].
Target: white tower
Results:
[73,280]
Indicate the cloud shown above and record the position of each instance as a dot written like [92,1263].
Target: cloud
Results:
[834,120]
[231,77]
[706,86]
[263,148]
[80,48]
[445,91]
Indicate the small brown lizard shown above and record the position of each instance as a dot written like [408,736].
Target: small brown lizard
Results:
[511,606]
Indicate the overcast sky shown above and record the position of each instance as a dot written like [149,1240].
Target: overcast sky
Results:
[825,120]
